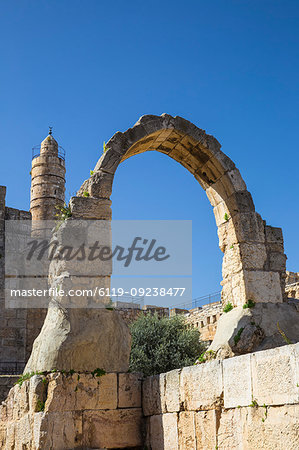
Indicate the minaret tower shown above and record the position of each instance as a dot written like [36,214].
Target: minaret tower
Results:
[47,179]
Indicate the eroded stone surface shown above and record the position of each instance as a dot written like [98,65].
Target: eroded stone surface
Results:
[81,340]
[246,330]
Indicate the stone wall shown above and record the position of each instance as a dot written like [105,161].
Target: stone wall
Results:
[292,284]
[205,319]
[246,402]
[64,411]
[6,383]
[131,314]
[18,327]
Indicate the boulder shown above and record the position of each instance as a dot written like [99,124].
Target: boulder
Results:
[266,325]
[81,340]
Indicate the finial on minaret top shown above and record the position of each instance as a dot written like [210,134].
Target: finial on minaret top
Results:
[50,131]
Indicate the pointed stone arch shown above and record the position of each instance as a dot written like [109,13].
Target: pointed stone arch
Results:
[254,261]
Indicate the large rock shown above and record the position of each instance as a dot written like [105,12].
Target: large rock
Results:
[248,330]
[81,340]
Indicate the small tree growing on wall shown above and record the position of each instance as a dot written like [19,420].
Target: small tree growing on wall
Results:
[160,345]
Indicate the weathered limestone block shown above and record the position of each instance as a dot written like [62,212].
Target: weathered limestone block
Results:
[201,386]
[186,430]
[37,392]
[275,430]
[81,391]
[152,392]
[129,390]
[57,430]
[232,263]
[91,208]
[205,429]
[275,376]
[230,430]
[170,430]
[99,185]
[253,255]
[121,428]
[263,286]
[237,382]
[163,431]
[245,227]
[156,432]
[258,327]
[171,399]
[81,340]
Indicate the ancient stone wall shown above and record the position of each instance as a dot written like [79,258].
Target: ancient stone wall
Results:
[246,402]
[6,383]
[131,314]
[292,284]
[64,411]
[205,319]
[18,327]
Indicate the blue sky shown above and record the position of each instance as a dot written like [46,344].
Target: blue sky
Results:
[92,68]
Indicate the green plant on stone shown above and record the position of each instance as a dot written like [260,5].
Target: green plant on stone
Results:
[206,356]
[91,172]
[104,147]
[254,404]
[27,376]
[228,307]
[283,335]
[266,412]
[64,212]
[40,406]
[250,304]
[85,194]
[237,337]
[226,217]
[98,372]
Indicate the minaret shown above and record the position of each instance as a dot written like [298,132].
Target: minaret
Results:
[47,179]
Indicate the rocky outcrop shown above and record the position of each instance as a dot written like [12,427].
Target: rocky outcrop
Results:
[81,340]
[266,325]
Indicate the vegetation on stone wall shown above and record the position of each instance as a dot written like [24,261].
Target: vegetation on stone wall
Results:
[160,345]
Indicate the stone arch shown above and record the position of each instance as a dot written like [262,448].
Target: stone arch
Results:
[254,261]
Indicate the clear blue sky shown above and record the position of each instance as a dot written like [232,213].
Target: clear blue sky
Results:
[92,68]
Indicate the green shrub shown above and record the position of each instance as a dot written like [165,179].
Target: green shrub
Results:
[228,307]
[249,304]
[160,345]
[237,337]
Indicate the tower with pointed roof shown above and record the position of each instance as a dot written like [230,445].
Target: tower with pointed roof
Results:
[47,179]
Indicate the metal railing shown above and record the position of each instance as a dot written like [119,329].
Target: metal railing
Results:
[60,153]
[199,302]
